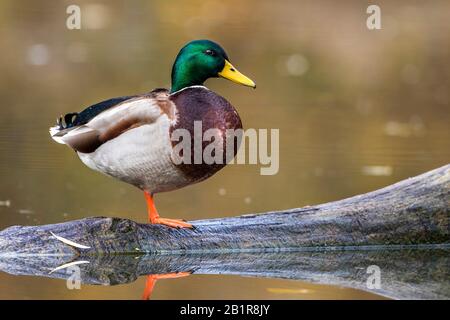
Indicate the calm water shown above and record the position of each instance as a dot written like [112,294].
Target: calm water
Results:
[357,110]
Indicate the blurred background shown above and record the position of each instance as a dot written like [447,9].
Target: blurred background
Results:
[357,110]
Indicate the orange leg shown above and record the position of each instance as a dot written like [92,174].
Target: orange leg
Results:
[153,215]
[151,281]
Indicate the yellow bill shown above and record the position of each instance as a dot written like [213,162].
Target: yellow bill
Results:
[229,72]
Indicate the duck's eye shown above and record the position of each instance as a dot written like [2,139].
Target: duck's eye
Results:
[210,52]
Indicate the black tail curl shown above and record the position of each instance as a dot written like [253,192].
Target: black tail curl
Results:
[67,121]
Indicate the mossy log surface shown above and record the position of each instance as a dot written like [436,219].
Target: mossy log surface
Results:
[414,211]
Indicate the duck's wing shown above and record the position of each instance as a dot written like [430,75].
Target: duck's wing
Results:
[87,136]
[83,117]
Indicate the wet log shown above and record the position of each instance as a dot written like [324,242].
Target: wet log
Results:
[411,212]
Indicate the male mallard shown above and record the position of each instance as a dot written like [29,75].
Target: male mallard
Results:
[129,138]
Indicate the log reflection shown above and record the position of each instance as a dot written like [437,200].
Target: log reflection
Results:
[404,273]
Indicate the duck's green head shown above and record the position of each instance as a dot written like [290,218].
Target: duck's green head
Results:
[200,60]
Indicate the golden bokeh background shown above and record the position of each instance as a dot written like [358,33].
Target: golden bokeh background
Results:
[357,110]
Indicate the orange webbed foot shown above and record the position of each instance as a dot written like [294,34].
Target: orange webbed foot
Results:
[154,217]
[174,223]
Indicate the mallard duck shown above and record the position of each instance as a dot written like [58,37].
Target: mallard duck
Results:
[129,138]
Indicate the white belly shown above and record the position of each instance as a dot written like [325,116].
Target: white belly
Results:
[141,157]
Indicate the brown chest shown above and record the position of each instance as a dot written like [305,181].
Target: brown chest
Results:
[198,111]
